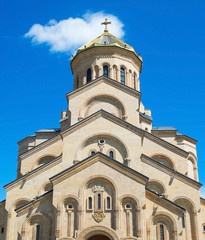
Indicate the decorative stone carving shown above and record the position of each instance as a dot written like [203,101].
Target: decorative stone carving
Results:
[98,216]
[98,188]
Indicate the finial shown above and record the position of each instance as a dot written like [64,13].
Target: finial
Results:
[105,23]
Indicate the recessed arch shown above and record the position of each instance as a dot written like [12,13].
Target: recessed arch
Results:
[97,230]
[157,186]
[124,151]
[19,202]
[117,105]
[43,159]
[164,159]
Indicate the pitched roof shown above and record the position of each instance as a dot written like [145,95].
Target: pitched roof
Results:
[109,162]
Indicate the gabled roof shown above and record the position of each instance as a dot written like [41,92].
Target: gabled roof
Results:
[175,174]
[164,202]
[164,129]
[100,157]
[120,122]
[110,81]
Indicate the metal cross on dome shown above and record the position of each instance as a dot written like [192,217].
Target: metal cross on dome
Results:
[105,23]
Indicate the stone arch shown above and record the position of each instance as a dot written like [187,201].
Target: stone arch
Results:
[68,209]
[124,151]
[164,159]
[159,185]
[116,103]
[192,166]
[45,158]
[19,202]
[36,218]
[47,186]
[164,218]
[97,230]
[115,72]
[190,215]
[70,197]
[131,216]
[109,189]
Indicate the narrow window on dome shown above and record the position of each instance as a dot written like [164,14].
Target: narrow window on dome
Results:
[161,232]
[105,71]
[92,153]
[183,221]
[88,75]
[38,232]
[111,154]
[77,82]
[134,81]
[122,75]
[90,204]
[108,203]
[99,201]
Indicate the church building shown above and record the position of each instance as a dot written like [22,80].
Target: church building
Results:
[106,173]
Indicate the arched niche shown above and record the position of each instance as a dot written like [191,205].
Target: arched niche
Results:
[43,160]
[192,170]
[30,227]
[19,202]
[190,215]
[67,219]
[97,230]
[106,102]
[169,225]
[157,186]
[99,189]
[46,187]
[165,160]
[130,216]
[110,142]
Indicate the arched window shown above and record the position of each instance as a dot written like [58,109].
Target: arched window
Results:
[38,232]
[161,232]
[88,75]
[108,203]
[183,221]
[111,154]
[99,201]
[77,82]
[134,81]
[122,75]
[105,70]
[90,204]
[92,153]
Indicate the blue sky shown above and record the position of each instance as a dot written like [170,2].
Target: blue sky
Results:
[169,35]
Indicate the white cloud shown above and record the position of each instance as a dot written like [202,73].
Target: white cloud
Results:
[69,34]
[202,192]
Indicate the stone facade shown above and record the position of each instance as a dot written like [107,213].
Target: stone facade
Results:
[106,173]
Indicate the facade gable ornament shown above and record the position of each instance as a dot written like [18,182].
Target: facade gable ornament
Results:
[98,188]
[98,216]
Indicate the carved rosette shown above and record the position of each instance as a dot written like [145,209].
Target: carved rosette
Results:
[98,217]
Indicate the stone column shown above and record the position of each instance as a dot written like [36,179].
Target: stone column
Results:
[117,218]
[111,73]
[92,73]
[138,84]
[128,222]
[118,75]
[139,225]
[84,78]
[58,223]
[9,226]
[79,219]
[69,223]
[100,71]
[196,232]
